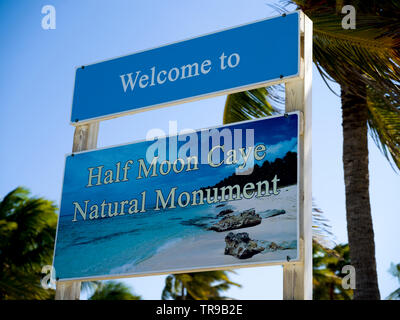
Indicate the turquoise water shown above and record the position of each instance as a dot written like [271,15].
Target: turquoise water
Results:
[97,247]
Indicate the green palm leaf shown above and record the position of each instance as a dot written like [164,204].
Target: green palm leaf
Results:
[384,124]
[112,290]
[252,104]
[27,230]
[395,272]
[197,286]
[369,53]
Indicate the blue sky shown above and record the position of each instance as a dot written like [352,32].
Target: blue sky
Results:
[36,83]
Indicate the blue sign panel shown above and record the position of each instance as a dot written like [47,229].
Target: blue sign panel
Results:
[220,197]
[234,59]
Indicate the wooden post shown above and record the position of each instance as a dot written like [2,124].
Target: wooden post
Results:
[297,277]
[85,138]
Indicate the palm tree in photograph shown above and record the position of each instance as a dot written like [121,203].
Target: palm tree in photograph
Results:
[197,286]
[365,62]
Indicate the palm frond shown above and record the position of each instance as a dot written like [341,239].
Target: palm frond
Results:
[371,50]
[252,104]
[384,124]
[27,231]
[395,272]
[197,286]
[395,295]
[113,290]
[321,228]
[370,53]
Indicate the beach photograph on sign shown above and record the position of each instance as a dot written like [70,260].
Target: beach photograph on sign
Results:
[223,197]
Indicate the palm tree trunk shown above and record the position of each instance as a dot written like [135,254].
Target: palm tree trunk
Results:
[358,210]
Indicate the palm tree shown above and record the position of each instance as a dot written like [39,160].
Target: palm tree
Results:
[27,231]
[197,286]
[395,271]
[113,290]
[366,64]
[327,268]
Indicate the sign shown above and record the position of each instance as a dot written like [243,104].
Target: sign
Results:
[223,197]
[228,61]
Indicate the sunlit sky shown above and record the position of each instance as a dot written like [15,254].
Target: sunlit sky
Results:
[36,83]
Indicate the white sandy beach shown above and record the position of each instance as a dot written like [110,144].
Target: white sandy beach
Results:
[207,250]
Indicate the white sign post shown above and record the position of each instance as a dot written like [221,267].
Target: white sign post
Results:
[297,278]
[85,138]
